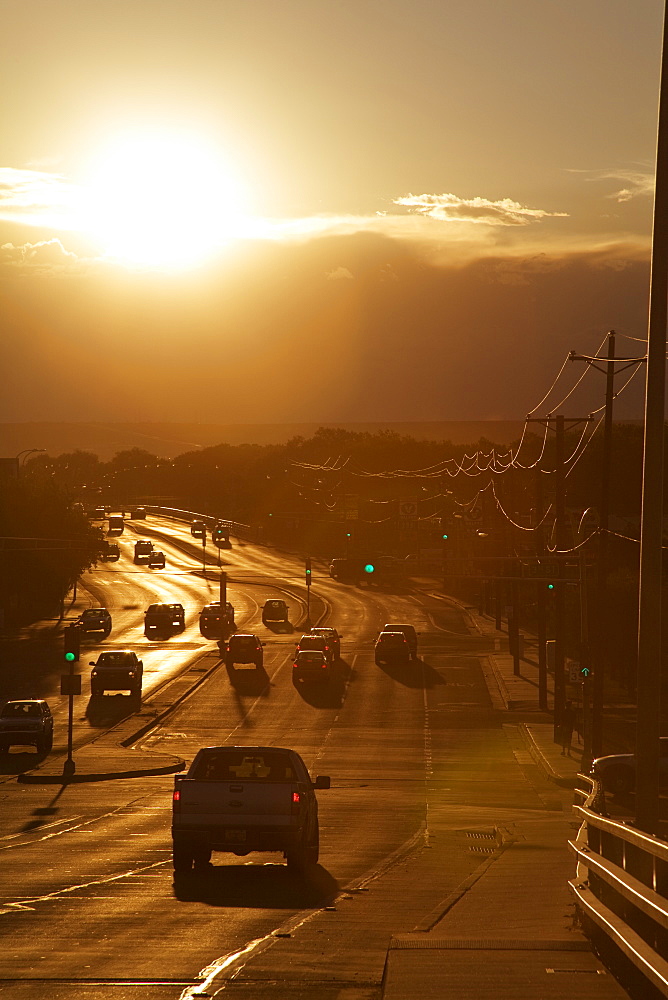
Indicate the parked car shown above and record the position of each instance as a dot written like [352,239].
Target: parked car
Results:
[408,632]
[242,647]
[164,620]
[274,611]
[318,642]
[214,619]
[392,647]
[156,560]
[311,665]
[116,670]
[244,799]
[333,638]
[143,549]
[26,723]
[94,620]
[617,772]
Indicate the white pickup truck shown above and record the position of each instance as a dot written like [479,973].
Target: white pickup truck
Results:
[244,799]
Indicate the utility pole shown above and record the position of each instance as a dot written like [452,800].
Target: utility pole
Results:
[560,540]
[651,525]
[541,602]
[598,655]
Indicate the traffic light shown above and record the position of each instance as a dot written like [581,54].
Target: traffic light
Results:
[72,643]
[369,568]
[444,536]
[308,571]
[550,585]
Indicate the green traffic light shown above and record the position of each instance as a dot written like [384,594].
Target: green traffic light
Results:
[369,568]
[550,586]
[444,537]
[69,657]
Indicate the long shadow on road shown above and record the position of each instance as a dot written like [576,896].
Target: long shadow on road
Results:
[416,674]
[261,886]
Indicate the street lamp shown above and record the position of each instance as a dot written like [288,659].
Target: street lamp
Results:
[25,452]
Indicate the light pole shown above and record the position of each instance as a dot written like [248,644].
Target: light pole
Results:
[26,452]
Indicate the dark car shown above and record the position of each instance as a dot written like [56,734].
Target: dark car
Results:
[116,670]
[311,665]
[243,648]
[94,620]
[163,620]
[333,638]
[198,529]
[139,514]
[156,560]
[617,772]
[143,549]
[317,642]
[392,647]
[346,570]
[408,632]
[273,611]
[214,619]
[111,551]
[26,723]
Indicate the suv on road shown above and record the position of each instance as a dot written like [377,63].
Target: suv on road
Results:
[143,549]
[243,648]
[163,620]
[94,620]
[111,551]
[317,642]
[392,647]
[333,638]
[214,619]
[138,514]
[116,670]
[26,723]
[274,611]
[409,634]
[198,529]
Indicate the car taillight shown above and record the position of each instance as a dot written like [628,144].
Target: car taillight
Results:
[324,666]
[296,803]
[176,800]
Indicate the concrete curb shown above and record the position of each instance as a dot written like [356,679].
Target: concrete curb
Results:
[542,761]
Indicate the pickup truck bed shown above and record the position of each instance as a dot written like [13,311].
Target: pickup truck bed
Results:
[244,799]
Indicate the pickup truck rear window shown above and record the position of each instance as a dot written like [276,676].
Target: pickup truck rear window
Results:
[238,766]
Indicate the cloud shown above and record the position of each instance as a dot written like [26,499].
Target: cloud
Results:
[637,183]
[45,254]
[451,208]
[36,198]
[339,273]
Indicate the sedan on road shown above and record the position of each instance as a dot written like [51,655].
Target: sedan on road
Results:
[311,665]
[392,647]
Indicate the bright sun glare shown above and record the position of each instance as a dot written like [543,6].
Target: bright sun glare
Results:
[162,200]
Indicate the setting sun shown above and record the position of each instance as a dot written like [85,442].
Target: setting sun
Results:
[162,200]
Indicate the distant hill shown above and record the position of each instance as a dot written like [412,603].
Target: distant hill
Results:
[167,440]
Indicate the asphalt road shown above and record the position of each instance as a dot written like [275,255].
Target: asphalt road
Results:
[89,907]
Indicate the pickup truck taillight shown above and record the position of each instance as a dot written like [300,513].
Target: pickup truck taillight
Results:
[296,803]
[176,799]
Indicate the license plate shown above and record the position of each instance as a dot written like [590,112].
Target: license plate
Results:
[235,836]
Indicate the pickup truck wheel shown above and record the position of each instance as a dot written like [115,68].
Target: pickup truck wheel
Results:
[297,859]
[202,857]
[182,859]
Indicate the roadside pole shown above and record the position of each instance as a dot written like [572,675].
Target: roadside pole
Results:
[308,592]
[70,685]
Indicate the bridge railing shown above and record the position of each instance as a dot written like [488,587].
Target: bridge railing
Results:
[621,885]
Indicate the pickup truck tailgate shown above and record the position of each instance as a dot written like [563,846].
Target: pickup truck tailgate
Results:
[222,802]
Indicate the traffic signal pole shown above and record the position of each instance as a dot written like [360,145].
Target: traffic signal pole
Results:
[308,591]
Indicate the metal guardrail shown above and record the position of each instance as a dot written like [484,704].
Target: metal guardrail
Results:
[236,528]
[621,885]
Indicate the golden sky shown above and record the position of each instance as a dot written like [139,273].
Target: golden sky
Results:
[333,190]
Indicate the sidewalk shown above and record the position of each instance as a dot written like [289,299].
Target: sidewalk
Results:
[508,932]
